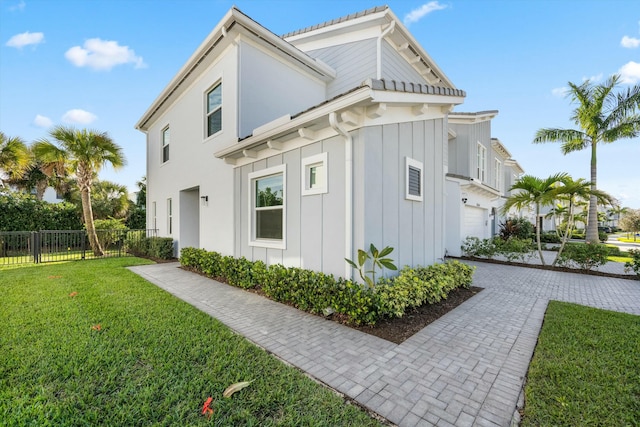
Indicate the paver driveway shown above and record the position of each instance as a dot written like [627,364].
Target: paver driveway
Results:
[465,369]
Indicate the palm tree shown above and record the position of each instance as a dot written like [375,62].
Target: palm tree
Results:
[616,212]
[557,213]
[572,191]
[84,152]
[14,157]
[38,175]
[536,192]
[603,117]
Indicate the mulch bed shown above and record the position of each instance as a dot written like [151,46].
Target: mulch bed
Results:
[399,329]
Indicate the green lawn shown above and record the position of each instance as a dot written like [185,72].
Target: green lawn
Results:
[153,361]
[585,370]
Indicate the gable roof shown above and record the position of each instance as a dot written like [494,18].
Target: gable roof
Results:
[234,20]
[399,37]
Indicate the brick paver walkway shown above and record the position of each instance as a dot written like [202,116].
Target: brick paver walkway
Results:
[465,369]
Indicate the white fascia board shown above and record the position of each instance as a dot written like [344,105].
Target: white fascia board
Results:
[339,39]
[187,68]
[342,28]
[400,28]
[385,96]
[462,118]
[500,148]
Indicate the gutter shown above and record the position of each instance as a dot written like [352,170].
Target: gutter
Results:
[348,190]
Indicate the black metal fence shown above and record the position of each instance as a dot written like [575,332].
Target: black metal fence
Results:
[20,247]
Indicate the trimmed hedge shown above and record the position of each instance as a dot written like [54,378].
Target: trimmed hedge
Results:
[157,247]
[22,212]
[315,292]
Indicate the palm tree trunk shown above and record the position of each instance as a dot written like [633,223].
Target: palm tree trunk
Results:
[88,221]
[592,221]
[538,233]
[567,232]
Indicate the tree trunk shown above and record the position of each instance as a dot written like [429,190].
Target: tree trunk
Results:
[84,184]
[592,220]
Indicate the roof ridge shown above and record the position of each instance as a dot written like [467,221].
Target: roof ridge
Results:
[334,21]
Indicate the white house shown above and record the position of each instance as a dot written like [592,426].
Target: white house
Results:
[301,149]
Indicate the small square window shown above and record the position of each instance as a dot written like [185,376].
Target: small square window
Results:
[314,175]
[413,180]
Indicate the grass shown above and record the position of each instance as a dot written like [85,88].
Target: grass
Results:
[154,360]
[585,370]
[629,240]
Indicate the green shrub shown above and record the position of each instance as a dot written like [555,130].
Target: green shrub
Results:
[516,227]
[161,247]
[550,237]
[583,255]
[515,249]
[614,251]
[138,244]
[316,292]
[109,231]
[475,247]
[634,264]
[603,236]
[22,212]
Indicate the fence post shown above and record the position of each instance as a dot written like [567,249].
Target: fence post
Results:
[35,245]
[83,236]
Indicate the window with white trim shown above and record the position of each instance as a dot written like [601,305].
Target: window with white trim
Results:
[169,216]
[154,216]
[498,175]
[166,139]
[267,207]
[214,110]
[314,174]
[481,167]
[413,180]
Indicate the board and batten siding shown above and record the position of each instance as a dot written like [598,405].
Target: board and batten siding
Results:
[354,63]
[395,67]
[314,223]
[383,216]
[463,148]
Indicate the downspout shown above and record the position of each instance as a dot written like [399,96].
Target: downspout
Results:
[348,190]
[389,30]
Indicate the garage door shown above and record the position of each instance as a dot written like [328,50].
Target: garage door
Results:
[474,222]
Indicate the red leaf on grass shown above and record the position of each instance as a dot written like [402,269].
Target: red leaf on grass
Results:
[206,410]
[73,294]
[96,327]
[54,277]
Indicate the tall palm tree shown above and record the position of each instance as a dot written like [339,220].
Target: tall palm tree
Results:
[84,152]
[556,213]
[603,116]
[14,157]
[572,191]
[534,192]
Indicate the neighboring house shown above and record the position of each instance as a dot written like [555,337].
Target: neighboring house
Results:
[304,148]
[480,173]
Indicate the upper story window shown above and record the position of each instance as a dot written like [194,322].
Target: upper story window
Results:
[481,168]
[314,174]
[166,138]
[498,175]
[413,180]
[267,203]
[214,110]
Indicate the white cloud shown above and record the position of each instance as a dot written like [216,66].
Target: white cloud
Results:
[79,117]
[21,40]
[42,121]
[559,92]
[417,14]
[103,55]
[630,42]
[630,73]
[19,7]
[593,79]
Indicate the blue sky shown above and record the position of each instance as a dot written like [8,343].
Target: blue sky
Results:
[100,63]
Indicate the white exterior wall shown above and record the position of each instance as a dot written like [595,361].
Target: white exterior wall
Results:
[192,164]
[269,88]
